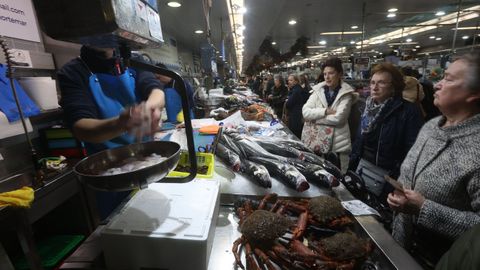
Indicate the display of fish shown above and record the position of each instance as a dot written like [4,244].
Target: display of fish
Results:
[289,142]
[229,143]
[327,165]
[228,156]
[250,149]
[285,172]
[257,172]
[281,150]
[315,173]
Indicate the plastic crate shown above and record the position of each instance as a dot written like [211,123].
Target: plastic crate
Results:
[52,250]
[203,159]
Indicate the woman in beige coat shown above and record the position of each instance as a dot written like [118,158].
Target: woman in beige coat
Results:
[329,105]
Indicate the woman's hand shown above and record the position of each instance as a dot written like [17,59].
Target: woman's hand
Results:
[408,201]
[330,111]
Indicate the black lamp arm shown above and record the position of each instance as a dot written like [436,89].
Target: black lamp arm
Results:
[182,91]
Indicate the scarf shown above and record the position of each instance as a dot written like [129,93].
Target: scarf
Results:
[331,94]
[372,114]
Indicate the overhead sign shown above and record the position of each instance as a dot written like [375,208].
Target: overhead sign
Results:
[17,20]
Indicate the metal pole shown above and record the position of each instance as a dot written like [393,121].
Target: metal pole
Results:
[456,26]
[363,27]
[475,35]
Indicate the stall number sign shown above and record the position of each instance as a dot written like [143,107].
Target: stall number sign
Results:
[17,20]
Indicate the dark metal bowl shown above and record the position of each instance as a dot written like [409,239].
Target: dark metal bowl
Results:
[89,169]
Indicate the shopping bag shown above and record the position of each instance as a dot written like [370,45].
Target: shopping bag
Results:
[373,176]
[318,137]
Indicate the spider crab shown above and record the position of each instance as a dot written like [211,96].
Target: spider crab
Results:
[283,234]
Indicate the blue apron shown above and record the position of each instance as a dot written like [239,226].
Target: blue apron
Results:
[112,93]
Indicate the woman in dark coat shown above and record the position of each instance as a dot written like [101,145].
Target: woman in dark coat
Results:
[278,95]
[389,126]
[297,97]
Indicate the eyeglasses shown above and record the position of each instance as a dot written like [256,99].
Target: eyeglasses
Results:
[379,83]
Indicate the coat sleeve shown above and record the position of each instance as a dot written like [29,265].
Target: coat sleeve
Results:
[342,112]
[294,98]
[450,221]
[311,111]
[76,99]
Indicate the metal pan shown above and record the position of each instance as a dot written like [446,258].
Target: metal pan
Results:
[89,169]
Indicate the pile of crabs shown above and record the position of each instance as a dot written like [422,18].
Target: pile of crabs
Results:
[305,234]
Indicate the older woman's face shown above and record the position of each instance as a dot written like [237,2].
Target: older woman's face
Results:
[381,87]
[276,82]
[332,77]
[451,92]
[291,81]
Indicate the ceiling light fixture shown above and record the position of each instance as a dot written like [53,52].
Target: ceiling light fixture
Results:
[342,33]
[408,40]
[402,43]
[198,31]
[292,22]
[467,28]
[450,18]
[438,38]
[440,13]
[392,10]
[274,43]
[174,4]
[391,15]
[418,46]
[352,42]
[414,50]
[354,27]
[236,9]
[322,42]
[431,37]
[465,37]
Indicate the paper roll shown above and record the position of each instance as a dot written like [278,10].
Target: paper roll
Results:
[11,129]
[42,90]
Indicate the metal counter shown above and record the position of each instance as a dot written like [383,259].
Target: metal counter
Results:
[387,255]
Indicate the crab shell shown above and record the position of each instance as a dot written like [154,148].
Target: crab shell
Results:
[344,246]
[326,208]
[264,226]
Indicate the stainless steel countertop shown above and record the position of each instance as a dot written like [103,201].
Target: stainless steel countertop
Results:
[234,185]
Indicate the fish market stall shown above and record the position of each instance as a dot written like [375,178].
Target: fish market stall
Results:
[376,248]
[214,248]
[255,158]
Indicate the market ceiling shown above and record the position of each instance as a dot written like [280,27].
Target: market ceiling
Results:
[270,18]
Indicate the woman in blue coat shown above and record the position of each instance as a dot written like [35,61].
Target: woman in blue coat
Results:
[388,129]
[297,97]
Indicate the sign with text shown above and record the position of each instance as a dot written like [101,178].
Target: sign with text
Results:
[17,20]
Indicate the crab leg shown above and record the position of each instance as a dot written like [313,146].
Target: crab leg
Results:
[264,258]
[236,251]
[251,261]
[299,250]
[301,226]
[269,197]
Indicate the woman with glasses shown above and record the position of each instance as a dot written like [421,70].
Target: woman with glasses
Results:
[441,173]
[388,128]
